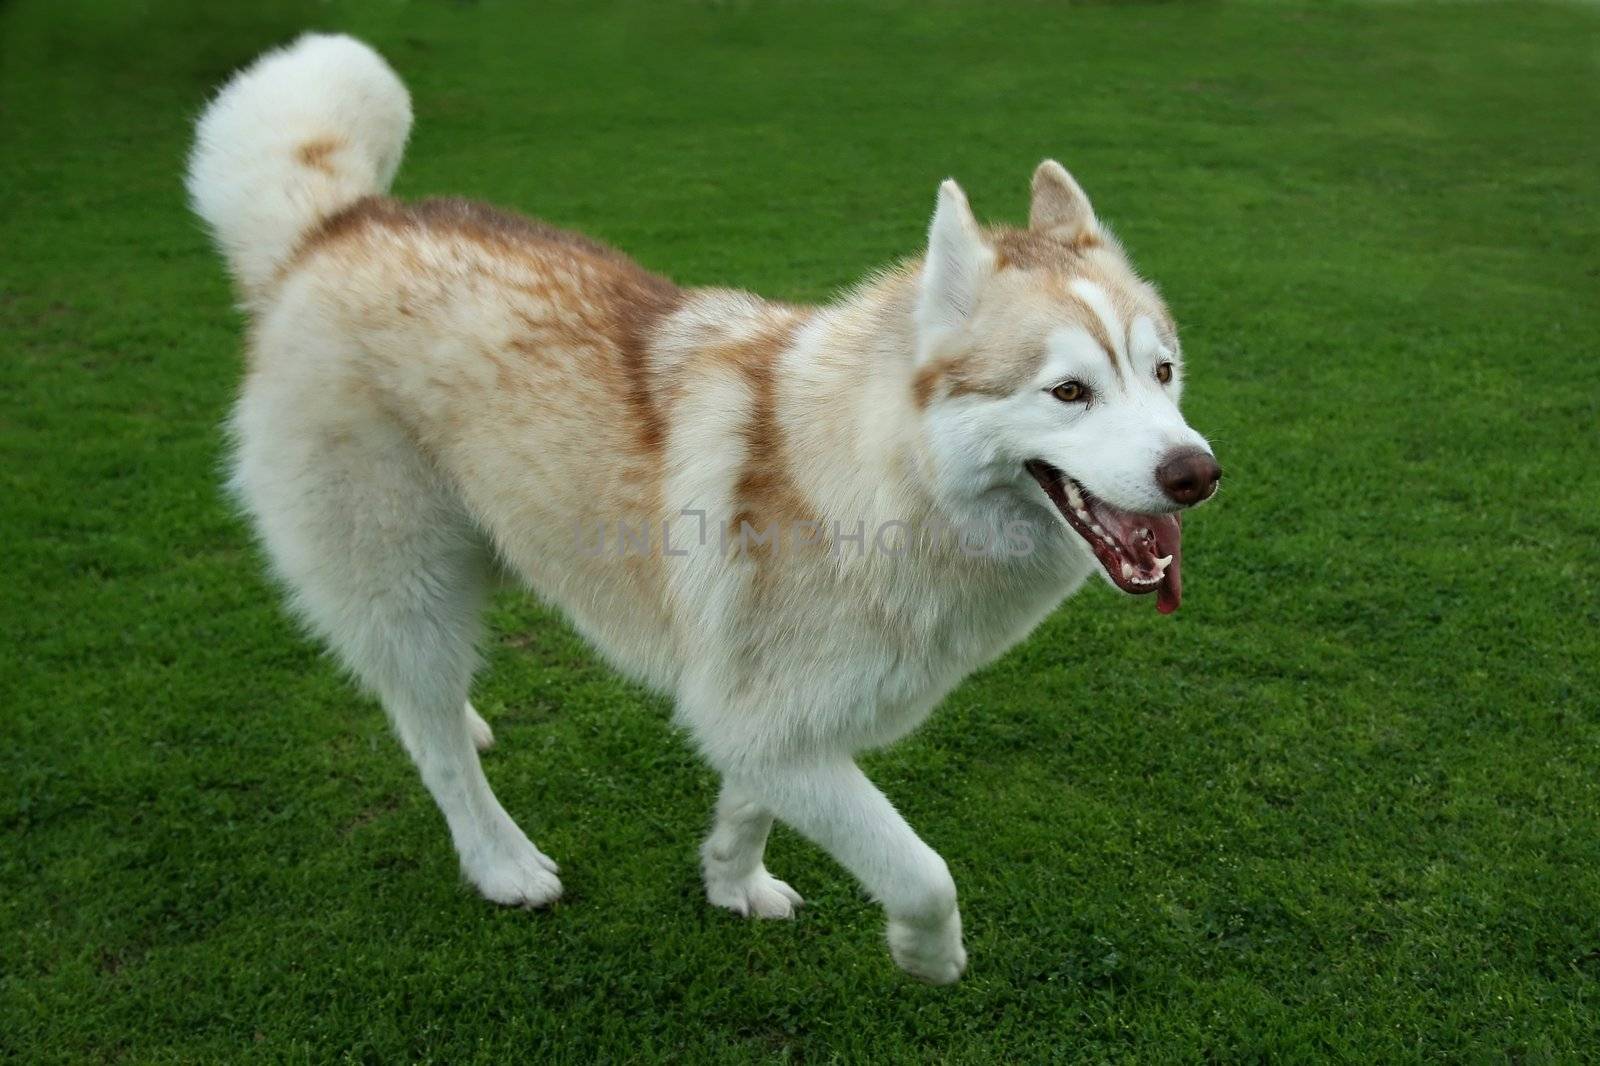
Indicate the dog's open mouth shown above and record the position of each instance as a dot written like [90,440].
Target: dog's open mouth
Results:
[1140,552]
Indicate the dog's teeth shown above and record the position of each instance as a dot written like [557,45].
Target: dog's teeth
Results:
[1127,570]
[1074,498]
[1163,562]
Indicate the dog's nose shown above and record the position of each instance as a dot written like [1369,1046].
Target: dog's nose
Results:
[1188,476]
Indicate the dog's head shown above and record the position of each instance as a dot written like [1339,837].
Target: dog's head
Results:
[1048,374]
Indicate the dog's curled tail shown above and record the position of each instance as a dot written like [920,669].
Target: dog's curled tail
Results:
[299,134]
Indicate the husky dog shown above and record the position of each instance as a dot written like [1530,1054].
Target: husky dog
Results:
[805,524]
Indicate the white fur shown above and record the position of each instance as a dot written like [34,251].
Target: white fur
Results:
[1100,303]
[1112,445]
[243,177]
[394,452]
[957,265]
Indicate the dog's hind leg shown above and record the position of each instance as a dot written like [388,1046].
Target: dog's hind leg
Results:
[482,735]
[731,859]
[382,560]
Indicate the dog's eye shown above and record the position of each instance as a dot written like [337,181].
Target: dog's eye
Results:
[1071,392]
[1164,373]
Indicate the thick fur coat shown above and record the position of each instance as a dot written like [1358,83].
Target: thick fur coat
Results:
[805,524]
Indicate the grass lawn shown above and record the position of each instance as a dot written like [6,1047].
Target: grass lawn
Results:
[1344,803]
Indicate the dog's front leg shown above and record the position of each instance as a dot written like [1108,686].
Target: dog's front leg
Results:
[833,803]
[731,858]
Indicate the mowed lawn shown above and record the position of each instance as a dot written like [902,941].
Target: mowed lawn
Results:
[1343,803]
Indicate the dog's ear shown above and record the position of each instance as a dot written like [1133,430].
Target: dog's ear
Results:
[1060,207]
[957,265]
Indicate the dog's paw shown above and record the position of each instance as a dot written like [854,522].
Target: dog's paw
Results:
[478,729]
[932,953]
[758,895]
[513,873]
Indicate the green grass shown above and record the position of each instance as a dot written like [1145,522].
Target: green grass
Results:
[1344,803]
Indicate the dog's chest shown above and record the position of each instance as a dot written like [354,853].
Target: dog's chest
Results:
[910,642]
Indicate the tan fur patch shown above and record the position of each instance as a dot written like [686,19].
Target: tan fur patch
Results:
[926,383]
[639,306]
[765,496]
[1095,326]
[1097,258]
[1027,249]
[463,218]
[613,301]
[973,374]
[317,154]
[1036,269]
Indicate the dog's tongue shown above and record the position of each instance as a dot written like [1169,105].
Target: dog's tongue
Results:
[1169,536]
[1140,540]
